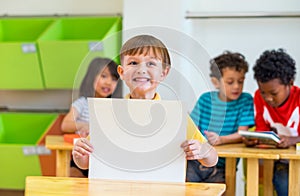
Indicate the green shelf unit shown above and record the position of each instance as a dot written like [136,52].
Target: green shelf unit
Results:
[19,58]
[18,132]
[67,47]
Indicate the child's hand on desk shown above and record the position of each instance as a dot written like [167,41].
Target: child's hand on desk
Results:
[213,138]
[286,141]
[81,152]
[250,142]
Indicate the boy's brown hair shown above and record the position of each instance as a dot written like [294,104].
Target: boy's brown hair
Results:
[227,59]
[143,44]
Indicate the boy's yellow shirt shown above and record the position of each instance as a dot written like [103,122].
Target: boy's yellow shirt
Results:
[192,130]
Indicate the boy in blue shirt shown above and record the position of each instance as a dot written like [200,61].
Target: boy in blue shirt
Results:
[220,114]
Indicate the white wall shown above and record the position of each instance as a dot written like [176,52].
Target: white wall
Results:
[166,20]
[250,36]
[203,38]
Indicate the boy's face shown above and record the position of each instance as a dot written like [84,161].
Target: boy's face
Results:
[274,92]
[142,73]
[230,85]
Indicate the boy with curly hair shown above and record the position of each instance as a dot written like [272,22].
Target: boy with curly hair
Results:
[277,103]
[220,114]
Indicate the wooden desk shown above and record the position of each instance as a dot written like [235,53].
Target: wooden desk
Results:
[43,186]
[294,169]
[63,153]
[233,151]
[230,152]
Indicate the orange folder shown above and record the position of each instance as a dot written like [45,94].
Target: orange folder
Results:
[70,137]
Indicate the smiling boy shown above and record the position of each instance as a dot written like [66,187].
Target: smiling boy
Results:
[145,62]
[143,68]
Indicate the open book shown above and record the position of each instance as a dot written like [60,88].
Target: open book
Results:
[264,137]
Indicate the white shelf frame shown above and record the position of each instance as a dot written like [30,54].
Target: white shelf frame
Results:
[206,15]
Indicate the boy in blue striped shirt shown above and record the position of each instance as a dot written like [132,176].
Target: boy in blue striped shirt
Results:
[220,114]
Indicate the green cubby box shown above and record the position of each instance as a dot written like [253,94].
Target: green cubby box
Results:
[68,46]
[20,155]
[19,58]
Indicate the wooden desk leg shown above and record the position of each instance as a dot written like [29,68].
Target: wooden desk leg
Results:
[252,176]
[63,158]
[294,177]
[268,176]
[230,175]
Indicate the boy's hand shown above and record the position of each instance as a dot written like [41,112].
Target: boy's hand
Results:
[192,149]
[81,152]
[285,142]
[250,142]
[82,147]
[213,138]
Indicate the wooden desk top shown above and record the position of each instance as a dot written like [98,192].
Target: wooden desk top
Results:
[56,142]
[44,186]
[241,151]
[290,153]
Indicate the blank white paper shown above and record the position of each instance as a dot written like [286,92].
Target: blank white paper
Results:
[137,139]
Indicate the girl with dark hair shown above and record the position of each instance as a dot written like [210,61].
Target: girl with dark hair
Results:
[100,81]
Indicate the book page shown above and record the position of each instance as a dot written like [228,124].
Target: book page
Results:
[137,140]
